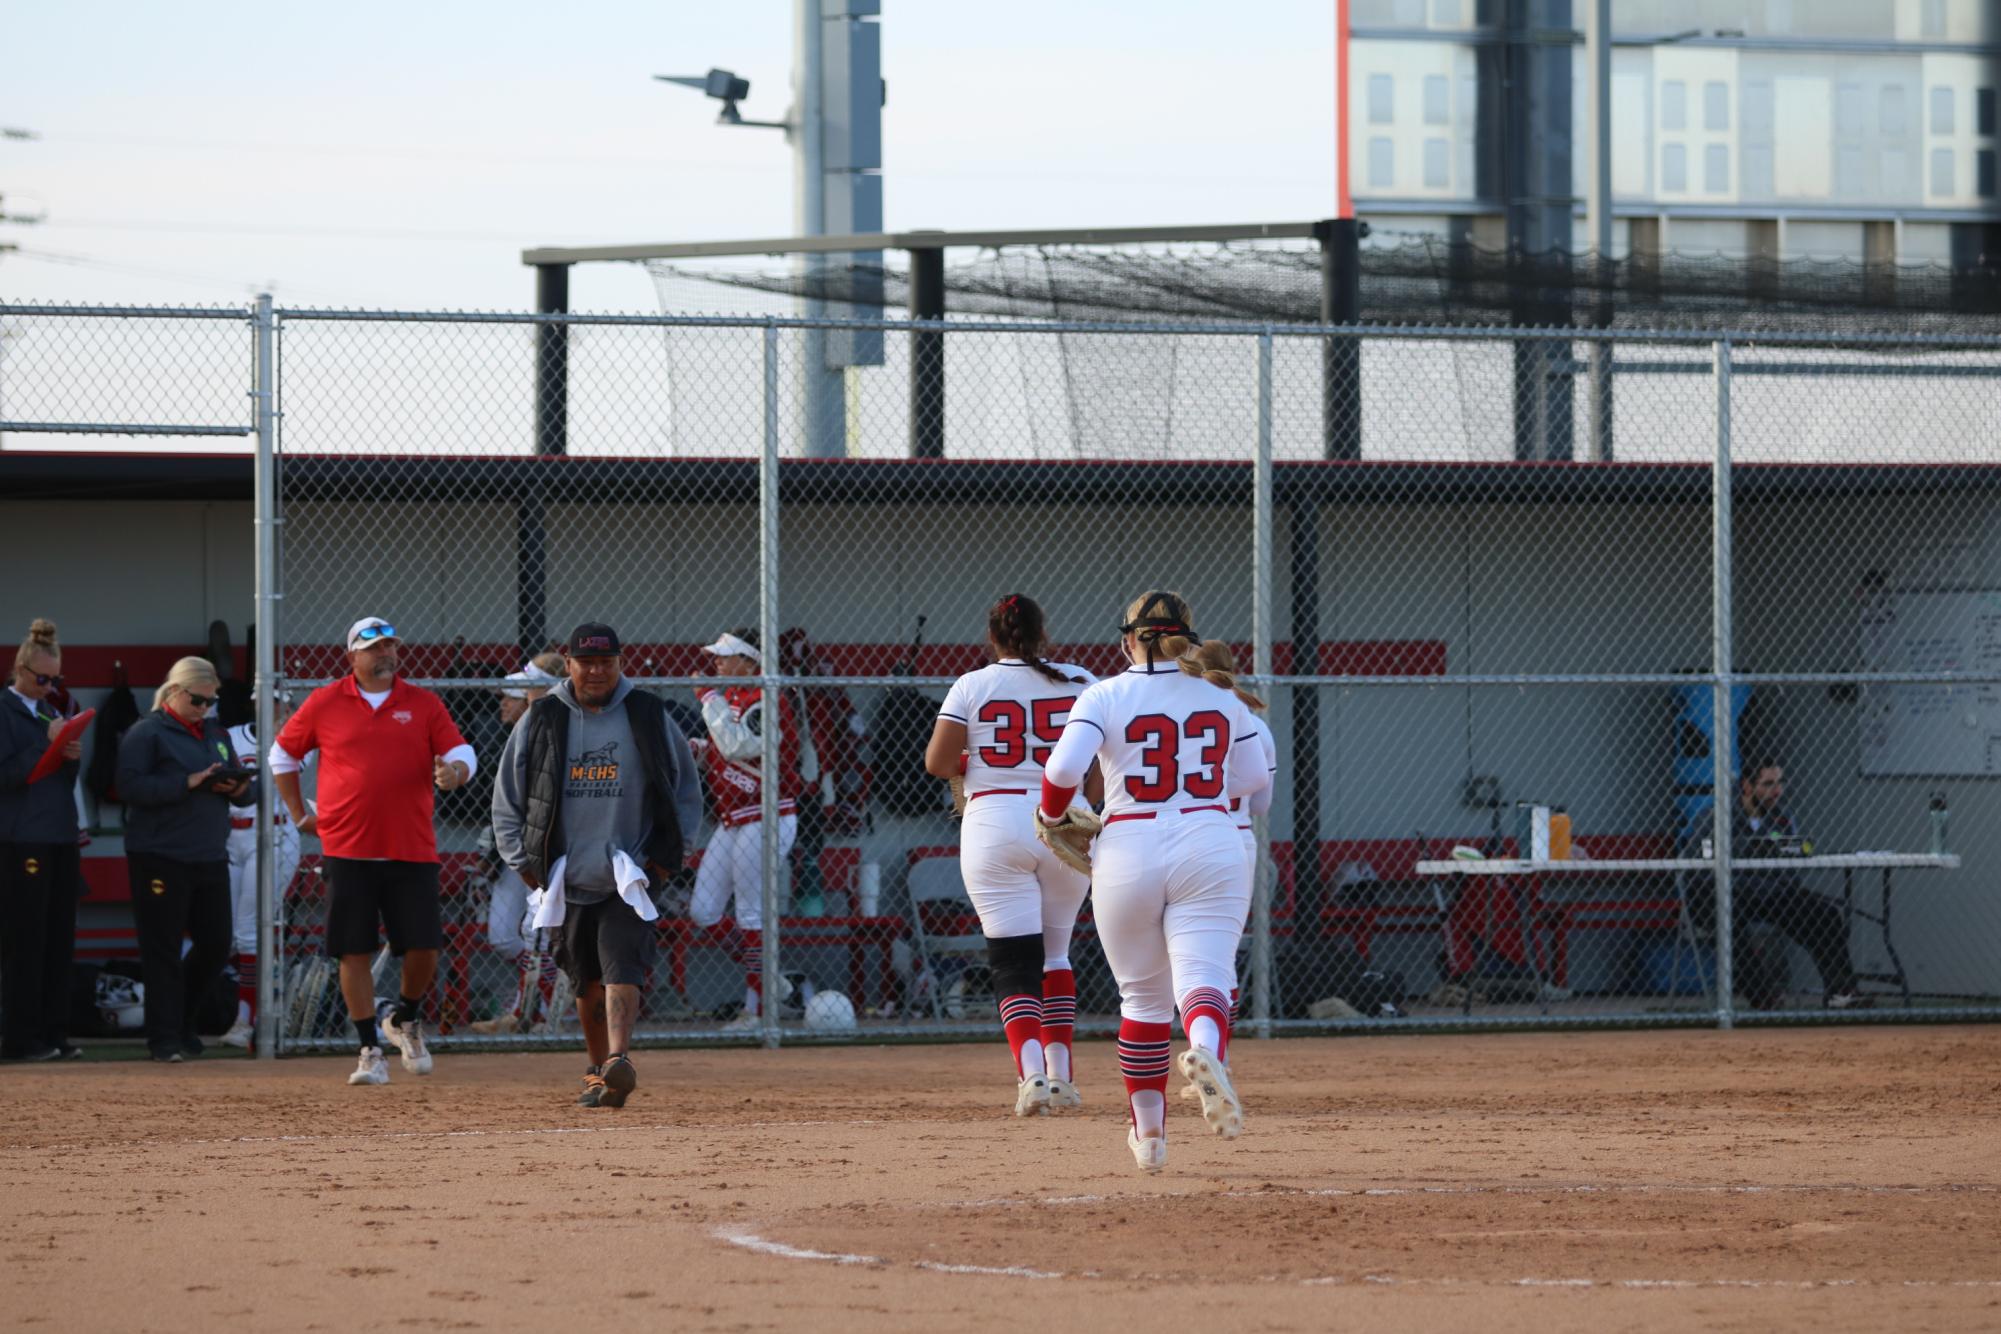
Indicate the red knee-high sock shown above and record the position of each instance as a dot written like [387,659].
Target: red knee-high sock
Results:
[753,970]
[1208,1003]
[1143,1057]
[246,982]
[1236,1003]
[1021,1019]
[1059,1017]
[545,980]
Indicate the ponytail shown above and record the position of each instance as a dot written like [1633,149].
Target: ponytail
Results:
[1214,662]
[1016,626]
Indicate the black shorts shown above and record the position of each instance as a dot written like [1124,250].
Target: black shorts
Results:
[401,896]
[605,942]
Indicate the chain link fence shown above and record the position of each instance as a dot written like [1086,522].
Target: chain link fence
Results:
[1567,733]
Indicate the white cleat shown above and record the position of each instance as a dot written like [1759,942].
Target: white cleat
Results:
[1211,1083]
[1063,1095]
[239,1035]
[409,1039]
[1150,1153]
[372,1068]
[1031,1096]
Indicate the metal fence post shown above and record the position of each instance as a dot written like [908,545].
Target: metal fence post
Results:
[1723,745]
[264,399]
[1261,637]
[773,730]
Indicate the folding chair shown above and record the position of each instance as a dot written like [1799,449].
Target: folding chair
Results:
[935,884]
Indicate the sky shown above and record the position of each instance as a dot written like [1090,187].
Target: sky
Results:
[402,156]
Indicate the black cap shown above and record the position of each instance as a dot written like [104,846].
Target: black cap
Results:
[592,640]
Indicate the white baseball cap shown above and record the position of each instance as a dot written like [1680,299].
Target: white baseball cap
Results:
[530,677]
[369,630]
[731,646]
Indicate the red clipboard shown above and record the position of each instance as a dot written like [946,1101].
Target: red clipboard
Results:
[52,758]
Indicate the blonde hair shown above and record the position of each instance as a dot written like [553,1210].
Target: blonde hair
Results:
[551,663]
[1215,662]
[185,675]
[41,639]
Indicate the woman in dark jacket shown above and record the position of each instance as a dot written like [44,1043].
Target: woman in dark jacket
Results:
[41,869]
[177,849]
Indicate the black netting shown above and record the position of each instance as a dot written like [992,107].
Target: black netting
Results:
[1409,280]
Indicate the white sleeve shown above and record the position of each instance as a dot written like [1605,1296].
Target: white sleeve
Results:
[1250,770]
[957,708]
[1261,801]
[281,761]
[737,738]
[462,754]
[1082,737]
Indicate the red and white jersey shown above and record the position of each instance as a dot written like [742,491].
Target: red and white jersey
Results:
[1245,805]
[1013,716]
[250,755]
[734,754]
[1165,740]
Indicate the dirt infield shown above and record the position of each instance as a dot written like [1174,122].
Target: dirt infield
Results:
[1760,1181]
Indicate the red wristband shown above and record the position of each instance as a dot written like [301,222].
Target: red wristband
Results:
[1055,800]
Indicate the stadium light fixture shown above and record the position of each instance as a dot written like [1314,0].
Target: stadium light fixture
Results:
[728,88]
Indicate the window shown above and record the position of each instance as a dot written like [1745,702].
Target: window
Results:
[1674,169]
[1942,171]
[1437,108]
[1382,99]
[1895,166]
[1932,19]
[1941,111]
[1757,109]
[1890,110]
[1757,172]
[1983,173]
[1983,111]
[1715,105]
[1848,182]
[1716,169]
[1848,110]
[1382,164]
[1437,164]
[1674,105]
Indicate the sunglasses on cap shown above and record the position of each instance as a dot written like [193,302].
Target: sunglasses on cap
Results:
[200,701]
[369,634]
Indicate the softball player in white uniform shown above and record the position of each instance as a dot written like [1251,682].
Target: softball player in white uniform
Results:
[996,727]
[1168,880]
[242,852]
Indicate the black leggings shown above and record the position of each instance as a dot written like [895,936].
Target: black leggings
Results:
[40,884]
[172,899]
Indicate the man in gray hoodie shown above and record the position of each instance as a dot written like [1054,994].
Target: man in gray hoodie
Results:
[595,798]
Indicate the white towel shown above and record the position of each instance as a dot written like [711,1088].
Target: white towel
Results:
[548,904]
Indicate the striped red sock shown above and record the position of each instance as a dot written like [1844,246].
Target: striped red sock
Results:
[1021,1020]
[1143,1058]
[246,983]
[545,980]
[1207,1003]
[1236,1004]
[1059,1019]
[752,951]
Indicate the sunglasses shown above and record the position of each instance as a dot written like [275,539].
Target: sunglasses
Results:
[374,632]
[41,680]
[200,701]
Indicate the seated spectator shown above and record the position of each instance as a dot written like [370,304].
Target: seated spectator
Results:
[177,849]
[1761,827]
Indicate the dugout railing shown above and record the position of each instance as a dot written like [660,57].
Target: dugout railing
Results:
[1456,616]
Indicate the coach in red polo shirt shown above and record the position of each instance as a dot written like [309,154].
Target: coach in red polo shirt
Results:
[383,744]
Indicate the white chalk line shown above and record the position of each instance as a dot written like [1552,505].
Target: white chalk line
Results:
[387,1136]
[1365,1192]
[750,1240]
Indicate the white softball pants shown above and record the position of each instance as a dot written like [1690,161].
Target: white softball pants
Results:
[1017,885]
[732,873]
[1170,896]
[242,849]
